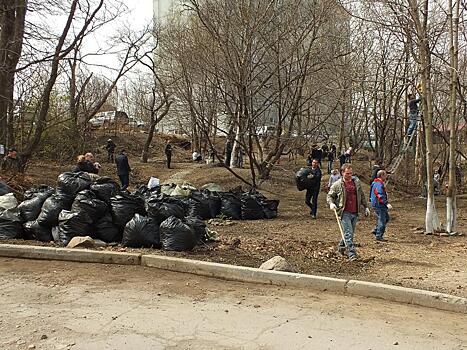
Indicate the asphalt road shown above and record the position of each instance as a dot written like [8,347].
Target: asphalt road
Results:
[64,305]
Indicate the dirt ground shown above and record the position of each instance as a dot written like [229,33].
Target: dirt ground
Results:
[408,259]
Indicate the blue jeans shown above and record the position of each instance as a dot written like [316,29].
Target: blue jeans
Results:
[348,221]
[412,123]
[382,216]
[311,199]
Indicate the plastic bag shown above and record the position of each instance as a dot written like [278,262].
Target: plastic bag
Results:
[105,188]
[86,201]
[176,235]
[10,224]
[198,206]
[30,208]
[124,206]
[269,208]
[72,183]
[199,227]
[161,207]
[167,189]
[212,187]
[105,230]
[180,191]
[214,202]
[44,190]
[141,232]
[72,224]
[32,230]
[4,188]
[251,208]
[52,207]
[8,201]
[153,182]
[231,205]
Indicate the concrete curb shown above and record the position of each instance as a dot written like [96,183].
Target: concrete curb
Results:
[244,274]
[408,295]
[78,255]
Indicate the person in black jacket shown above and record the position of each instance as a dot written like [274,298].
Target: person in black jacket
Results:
[123,169]
[85,164]
[110,147]
[168,153]
[314,183]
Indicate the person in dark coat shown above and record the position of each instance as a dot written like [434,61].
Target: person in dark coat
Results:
[311,197]
[110,147]
[11,163]
[85,164]
[228,152]
[168,153]
[342,159]
[330,161]
[123,169]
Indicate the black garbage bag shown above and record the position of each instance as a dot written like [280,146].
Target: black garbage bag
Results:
[198,206]
[145,192]
[72,183]
[231,205]
[105,188]
[72,224]
[30,208]
[176,235]
[32,230]
[105,230]
[35,191]
[141,232]
[4,188]
[251,208]
[88,202]
[161,207]
[52,207]
[124,206]
[302,180]
[269,207]
[214,202]
[199,227]
[10,224]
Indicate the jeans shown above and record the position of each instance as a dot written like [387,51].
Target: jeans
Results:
[412,124]
[348,221]
[382,216]
[125,180]
[311,199]
[329,166]
[110,157]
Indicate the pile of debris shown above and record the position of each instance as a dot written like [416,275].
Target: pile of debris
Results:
[169,217]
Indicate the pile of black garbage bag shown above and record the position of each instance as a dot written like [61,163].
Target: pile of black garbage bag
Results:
[148,218]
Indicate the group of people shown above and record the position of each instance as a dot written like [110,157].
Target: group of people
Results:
[346,197]
[88,164]
[323,152]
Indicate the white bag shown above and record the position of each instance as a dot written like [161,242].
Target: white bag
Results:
[8,201]
[153,182]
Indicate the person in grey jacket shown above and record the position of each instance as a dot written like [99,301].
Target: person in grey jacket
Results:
[346,197]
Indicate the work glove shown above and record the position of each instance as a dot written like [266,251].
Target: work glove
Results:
[332,206]
[367,212]
[389,206]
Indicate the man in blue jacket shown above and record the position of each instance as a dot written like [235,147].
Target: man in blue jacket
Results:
[379,201]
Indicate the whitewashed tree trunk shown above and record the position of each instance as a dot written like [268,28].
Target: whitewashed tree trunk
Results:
[235,146]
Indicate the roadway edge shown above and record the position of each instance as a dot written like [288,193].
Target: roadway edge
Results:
[398,294]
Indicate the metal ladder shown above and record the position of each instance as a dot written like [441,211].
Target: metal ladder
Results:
[403,151]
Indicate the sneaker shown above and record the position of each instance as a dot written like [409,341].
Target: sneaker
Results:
[381,239]
[313,217]
[353,257]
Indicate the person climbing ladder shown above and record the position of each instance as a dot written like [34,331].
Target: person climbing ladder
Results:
[413,114]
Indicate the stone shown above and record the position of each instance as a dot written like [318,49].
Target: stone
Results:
[277,263]
[81,242]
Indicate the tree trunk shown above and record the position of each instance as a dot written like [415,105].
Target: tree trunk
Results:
[451,215]
[12,18]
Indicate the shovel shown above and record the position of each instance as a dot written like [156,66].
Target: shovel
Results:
[341,230]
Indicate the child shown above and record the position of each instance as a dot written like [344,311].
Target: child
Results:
[334,177]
